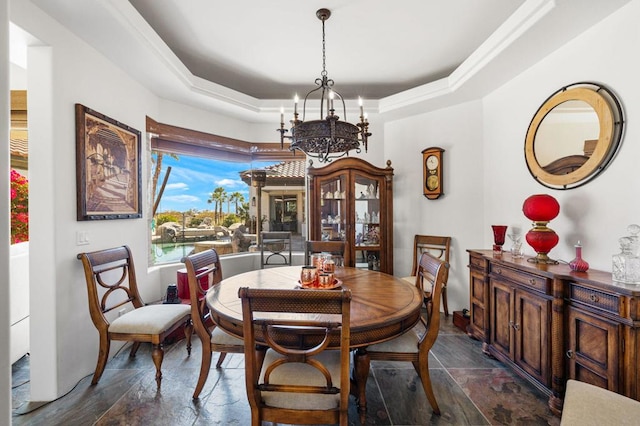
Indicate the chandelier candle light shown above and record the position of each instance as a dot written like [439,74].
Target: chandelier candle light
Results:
[328,137]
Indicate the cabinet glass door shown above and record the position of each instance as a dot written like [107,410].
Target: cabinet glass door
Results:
[333,214]
[367,222]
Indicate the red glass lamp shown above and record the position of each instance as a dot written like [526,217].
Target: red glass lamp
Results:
[541,209]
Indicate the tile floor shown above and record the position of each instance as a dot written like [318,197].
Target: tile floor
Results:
[471,389]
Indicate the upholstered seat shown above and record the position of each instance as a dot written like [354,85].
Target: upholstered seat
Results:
[298,381]
[205,268]
[437,246]
[414,345]
[588,405]
[113,270]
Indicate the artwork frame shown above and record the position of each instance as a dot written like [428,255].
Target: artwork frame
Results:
[108,167]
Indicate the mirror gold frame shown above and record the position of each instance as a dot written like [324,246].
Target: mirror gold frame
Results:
[610,118]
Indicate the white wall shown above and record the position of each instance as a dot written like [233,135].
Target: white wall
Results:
[599,212]
[62,72]
[5,233]
[19,297]
[458,213]
[486,177]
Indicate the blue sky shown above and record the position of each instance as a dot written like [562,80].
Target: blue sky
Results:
[193,179]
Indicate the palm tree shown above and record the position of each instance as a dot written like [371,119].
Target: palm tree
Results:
[236,198]
[217,197]
[156,157]
[243,211]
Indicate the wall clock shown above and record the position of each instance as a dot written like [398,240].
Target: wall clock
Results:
[432,172]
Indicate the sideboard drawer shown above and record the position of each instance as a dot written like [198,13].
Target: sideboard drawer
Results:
[595,298]
[535,282]
[477,262]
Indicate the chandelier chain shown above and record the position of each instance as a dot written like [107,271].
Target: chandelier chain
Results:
[324,56]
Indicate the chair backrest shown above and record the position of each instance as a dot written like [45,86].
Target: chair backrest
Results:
[273,317]
[437,246]
[111,270]
[203,272]
[432,272]
[336,248]
[272,245]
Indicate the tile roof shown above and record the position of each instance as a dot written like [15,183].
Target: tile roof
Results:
[287,169]
[284,173]
[19,146]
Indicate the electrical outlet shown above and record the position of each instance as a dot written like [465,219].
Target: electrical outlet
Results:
[122,311]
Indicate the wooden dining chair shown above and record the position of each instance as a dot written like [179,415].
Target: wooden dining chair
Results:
[414,345]
[204,272]
[335,248]
[298,381]
[112,287]
[437,246]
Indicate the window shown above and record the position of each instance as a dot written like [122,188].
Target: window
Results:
[203,195]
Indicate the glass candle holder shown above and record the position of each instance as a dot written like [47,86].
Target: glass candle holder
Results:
[499,233]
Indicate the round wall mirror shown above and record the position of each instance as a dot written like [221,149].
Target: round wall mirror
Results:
[574,135]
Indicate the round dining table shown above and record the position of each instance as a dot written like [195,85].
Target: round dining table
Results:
[382,307]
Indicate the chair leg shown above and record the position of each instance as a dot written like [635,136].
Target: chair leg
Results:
[188,332]
[422,369]
[221,358]
[444,302]
[103,354]
[134,349]
[158,355]
[204,370]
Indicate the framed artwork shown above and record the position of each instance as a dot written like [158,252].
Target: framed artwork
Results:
[108,167]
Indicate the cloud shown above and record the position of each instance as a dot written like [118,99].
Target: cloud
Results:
[182,199]
[229,182]
[178,185]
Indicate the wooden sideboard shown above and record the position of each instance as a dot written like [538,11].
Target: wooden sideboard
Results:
[551,324]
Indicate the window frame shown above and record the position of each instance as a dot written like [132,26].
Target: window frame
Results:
[180,141]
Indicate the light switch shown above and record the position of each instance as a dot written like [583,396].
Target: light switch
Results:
[82,238]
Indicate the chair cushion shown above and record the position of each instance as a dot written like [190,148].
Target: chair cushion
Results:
[221,337]
[303,374]
[411,280]
[406,343]
[585,404]
[150,319]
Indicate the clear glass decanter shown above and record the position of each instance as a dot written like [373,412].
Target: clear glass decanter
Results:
[626,264]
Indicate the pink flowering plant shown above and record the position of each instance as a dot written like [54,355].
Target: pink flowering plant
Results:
[19,208]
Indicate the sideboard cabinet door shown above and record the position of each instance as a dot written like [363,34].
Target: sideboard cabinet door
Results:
[593,349]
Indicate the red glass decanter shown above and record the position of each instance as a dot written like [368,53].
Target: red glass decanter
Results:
[578,264]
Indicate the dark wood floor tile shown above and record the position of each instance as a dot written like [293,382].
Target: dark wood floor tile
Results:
[462,351]
[376,410]
[433,363]
[85,403]
[227,404]
[20,382]
[407,403]
[127,393]
[447,327]
[505,398]
[145,404]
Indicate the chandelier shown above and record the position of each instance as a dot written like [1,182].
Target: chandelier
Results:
[328,137]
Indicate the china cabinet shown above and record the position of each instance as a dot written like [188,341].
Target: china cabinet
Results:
[551,324]
[352,200]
